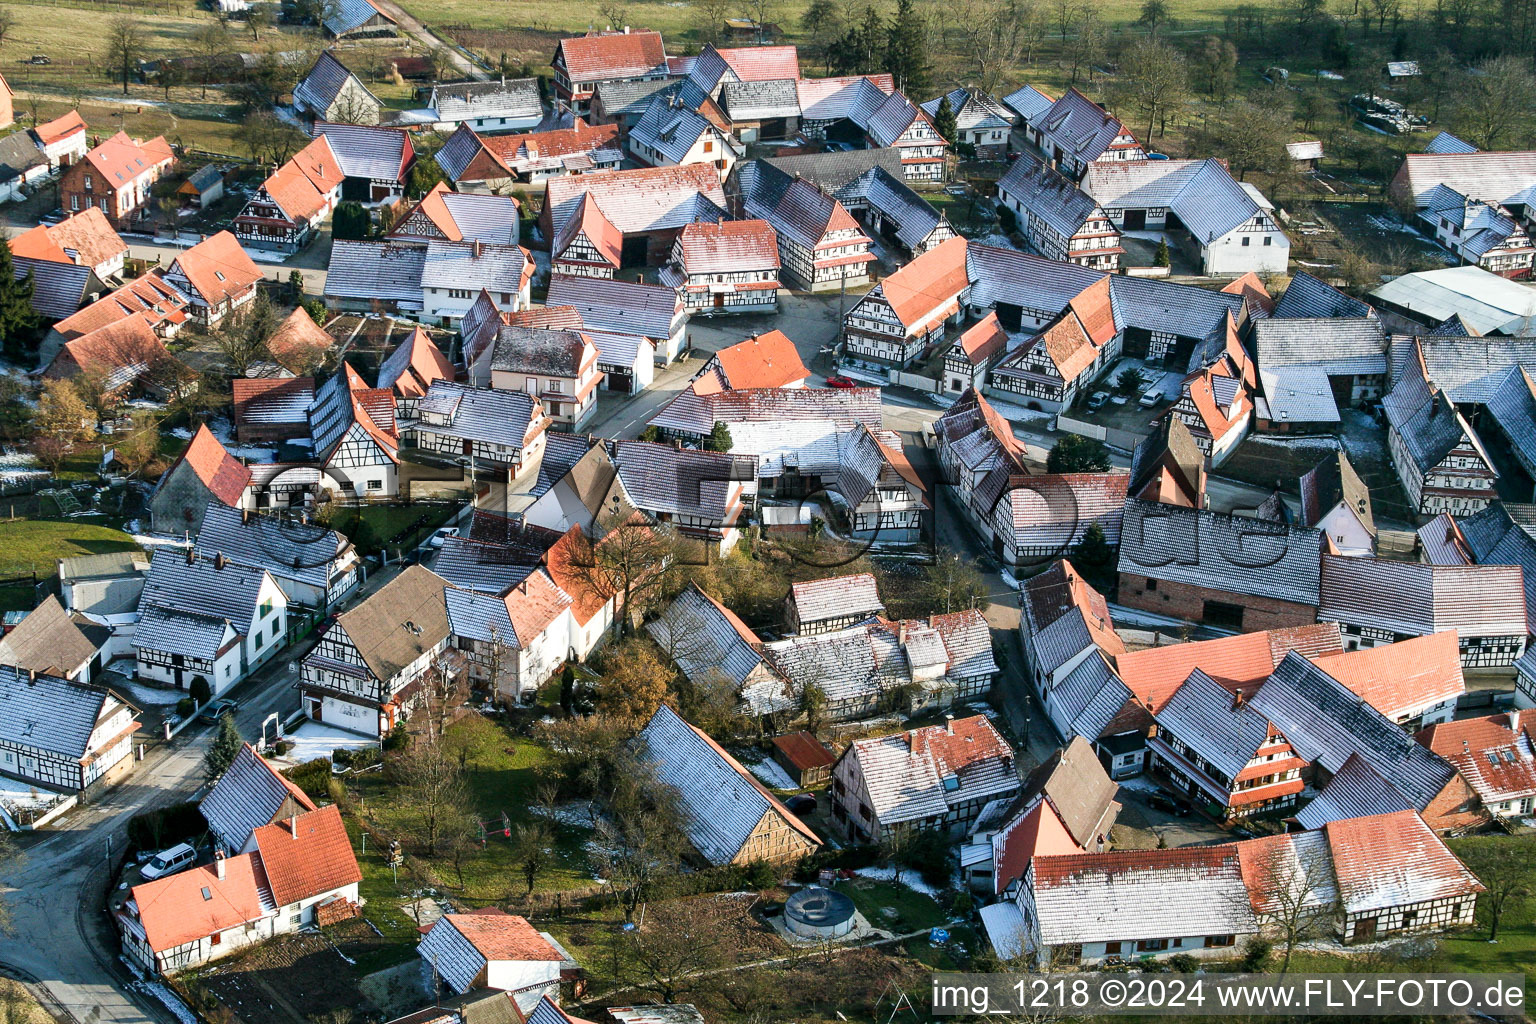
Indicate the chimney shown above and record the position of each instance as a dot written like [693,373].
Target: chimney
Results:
[901,632]
[1514,720]
[31,677]
[949,723]
[245,516]
[191,556]
[1237,698]
[218,864]
[218,562]
[477,248]
[293,825]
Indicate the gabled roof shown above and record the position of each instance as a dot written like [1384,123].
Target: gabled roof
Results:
[1277,561]
[590,222]
[174,911]
[606,55]
[1416,599]
[1399,679]
[121,352]
[671,129]
[57,288]
[217,268]
[904,775]
[1208,201]
[1354,345]
[350,15]
[85,239]
[1075,784]
[1036,831]
[369,151]
[515,619]
[646,199]
[1028,102]
[720,800]
[398,623]
[702,635]
[1226,733]
[463,217]
[298,340]
[574,149]
[459,946]
[1046,193]
[150,297]
[121,160]
[1494,753]
[728,246]
[624,307]
[1238,663]
[47,641]
[250,794]
[324,82]
[1167,457]
[1492,177]
[50,713]
[1333,482]
[762,361]
[973,109]
[311,555]
[1445,143]
[59,128]
[827,99]
[1059,603]
[836,597]
[307,855]
[1306,297]
[1251,287]
[19,154]
[220,472]
[1080,126]
[414,365]
[1393,860]
[933,281]
[498,97]
[345,399]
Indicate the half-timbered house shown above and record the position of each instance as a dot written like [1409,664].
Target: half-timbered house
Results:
[315,567]
[559,367]
[821,246]
[355,438]
[216,276]
[729,267]
[59,733]
[502,432]
[1051,369]
[287,209]
[908,311]
[515,641]
[1059,220]
[822,606]
[582,63]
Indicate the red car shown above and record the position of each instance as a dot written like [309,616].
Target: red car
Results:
[840,382]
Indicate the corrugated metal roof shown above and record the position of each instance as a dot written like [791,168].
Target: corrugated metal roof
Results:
[350,15]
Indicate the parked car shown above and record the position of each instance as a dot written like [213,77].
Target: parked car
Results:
[1096,400]
[218,709]
[841,382]
[168,862]
[441,534]
[1150,397]
[1168,805]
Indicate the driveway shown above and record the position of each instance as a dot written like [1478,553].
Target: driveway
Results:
[419,32]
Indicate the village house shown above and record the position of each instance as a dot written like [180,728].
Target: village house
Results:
[709,642]
[806,759]
[908,311]
[315,567]
[50,640]
[116,177]
[938,777]
[1311,367]
[286,211]
[1050,370]
[207,618]
[124,356]
[595,602]
[623,103]
[876,118]
[1500,534]
[1414,682]
[97,586]
[1495,755]
[867,182]
[413,367]
[1167,467]
[1177,561]
[203,187]
[376,661]
[62,734]
[826,605]
[1076,133]
[1032,520]
[433,282]
[727,267]
[497,105]
[671,135]
[1216,404]
[1059,220]
[638,212]
[776,421]
[573,484]
[495,162]
[205,471]
[459,217]
[498,433]
[583,63]
[249,795]
[495,554]
[354,436]
[973,441]
[331,92]
[514,642]
[981,122]
[84,239]
[820,245]
[728,816]
[767,360]
[492,949]
[1377,601]
[908,665]
[374,161]
[623,309]
[271,410]
[23,164]
[1475,204]
[1337,503]
[559,367]
[63,140]
[702,494]
[216,276]
[301,872]
[299,346]
[973,354]
[825,101]
[149,298]
[1231,224]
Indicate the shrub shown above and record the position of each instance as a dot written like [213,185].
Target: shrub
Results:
[398,739]
[1256,954]
[185,707]
[1006,219]
[758,875]
[201,692]
[1184,963]
[166,826]
[312,777]
[283,747]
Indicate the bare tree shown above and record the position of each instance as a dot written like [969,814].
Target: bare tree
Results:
[7,23]
[639,843]
[1155,79]
[433,781]
[1296,895]
[242,339]
[996,34]
[1505,870]
[614,13]
[631,559]
[1496,106]
[1086,48]
[209,42]
[679,943]
[532,850]
[711,16]
[258,18]
[125,46]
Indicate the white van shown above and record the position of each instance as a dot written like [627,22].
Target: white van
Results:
[168,862]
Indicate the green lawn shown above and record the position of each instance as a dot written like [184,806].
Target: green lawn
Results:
[1515,950]
[892,906]
[383,895]
[36,545]
[387,521]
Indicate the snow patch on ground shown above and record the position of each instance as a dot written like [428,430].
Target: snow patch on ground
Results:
[1322,444]
[1008,578]
[313,740]
[1140,784]
[21,796]
[901,876]
[998,241]
[172,1003]
[770,774]
[573,814]
[150,696]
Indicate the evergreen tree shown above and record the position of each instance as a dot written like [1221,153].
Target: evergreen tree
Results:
[1094,559]
[1075,453]
[18,320]
[350,220]
[944,121]
[1161,258]
[221,752]
[719,439]
[906,54]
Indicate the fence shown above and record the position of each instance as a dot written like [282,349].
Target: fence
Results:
[915,380]
[1113,437]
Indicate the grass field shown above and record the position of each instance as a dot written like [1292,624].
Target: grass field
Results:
[34,545]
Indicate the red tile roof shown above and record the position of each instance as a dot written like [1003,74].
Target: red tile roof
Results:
[1251,288]
[1051,871]
[303,185]
[297,339]
[554,318]
[1398,678]
[150,297]
[929,285]
[590,220]
[424,364]
[728,246]
[35,244]
[1495,754]
[1059,591]
[983,339]
[120,160]
[605,55]
[174,911]
[123,343]
[804,750]
[220,472]
[307,855]
[589,593]
[498,935]
[1037,833]
[1093,308]
[218,268]
[246,390]
[959,743]
[89,235]
[763,63]
[60,128]
[579,138]
[762,361]
[1236,662]
[533,604]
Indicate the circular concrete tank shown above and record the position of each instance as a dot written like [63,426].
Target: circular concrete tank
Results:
[817,913]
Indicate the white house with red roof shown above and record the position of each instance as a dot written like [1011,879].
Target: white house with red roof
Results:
[1415,682]
[85,239]
[762,361]
[582,63]
[216,276]
[1495,754]
[492,949]
[63,140]
[301,872]
[728,267]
